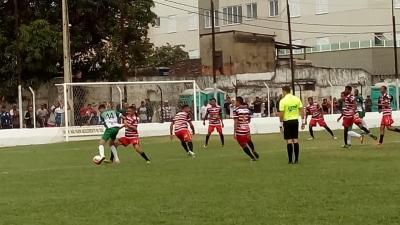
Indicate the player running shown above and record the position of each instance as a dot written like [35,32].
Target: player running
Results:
[360,106]
[350,116]
[386,110]
[180,126]
[350,133]
[317,117]
[241,116]
[214,115]
[131,133]
[109,118]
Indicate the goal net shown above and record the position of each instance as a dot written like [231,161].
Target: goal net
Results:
[156,102]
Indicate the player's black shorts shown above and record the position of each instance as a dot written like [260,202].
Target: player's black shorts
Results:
[291,129]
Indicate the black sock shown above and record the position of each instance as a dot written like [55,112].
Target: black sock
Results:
[290,152]
[346,129]
[248,152]
[112,157]
[329,130]
[365,130]
[190,144]
[251,145]
[381,139]
[207,138]
[311,132]
[144,156]
[397,130]
[184,145]
[296,151]
[221,136]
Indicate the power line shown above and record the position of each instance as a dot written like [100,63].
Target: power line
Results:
[274,28]
[283,21]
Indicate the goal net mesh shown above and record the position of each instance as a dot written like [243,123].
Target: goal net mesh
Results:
[155,103]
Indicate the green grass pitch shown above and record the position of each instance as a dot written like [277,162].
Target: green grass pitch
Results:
[59,184]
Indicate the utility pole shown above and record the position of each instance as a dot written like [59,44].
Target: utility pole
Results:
[290,45]
[17,52]
[213,49]
[123,48]
[396,70]
[66,44]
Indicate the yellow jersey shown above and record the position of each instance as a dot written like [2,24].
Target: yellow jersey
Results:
[290,106]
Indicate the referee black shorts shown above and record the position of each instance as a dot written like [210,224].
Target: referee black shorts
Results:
[291,129]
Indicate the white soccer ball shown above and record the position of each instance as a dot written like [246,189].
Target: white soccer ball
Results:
[97,159]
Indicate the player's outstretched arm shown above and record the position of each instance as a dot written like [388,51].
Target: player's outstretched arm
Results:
[205,117]
[171,128]
[303,118]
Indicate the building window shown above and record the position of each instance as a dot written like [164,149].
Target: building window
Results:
[397,4]
[322,7]
[297,42]
[193,21]
[158,22]
[273,8]
[194,54]
[251,11]
[207,18]
[171,26]
[294,6]
[323,44]
[380,39]
[232,15]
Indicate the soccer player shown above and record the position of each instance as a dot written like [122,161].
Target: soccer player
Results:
[386,111]
[350,116]
[360,106]
[131,133]
[109,118]
[241,116]
[214,115]
[290,108]
[180,126]
[350,133]
[317,117]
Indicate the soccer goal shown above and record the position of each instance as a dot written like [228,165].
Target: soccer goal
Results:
[155,101]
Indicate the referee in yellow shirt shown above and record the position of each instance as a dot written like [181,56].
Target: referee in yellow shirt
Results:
[291,108]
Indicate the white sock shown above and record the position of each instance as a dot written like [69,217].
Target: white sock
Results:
[114,151]
[101,151]
[353,134]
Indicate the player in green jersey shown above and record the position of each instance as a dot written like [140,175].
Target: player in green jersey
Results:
[109,117]
[360,106]
[122,113]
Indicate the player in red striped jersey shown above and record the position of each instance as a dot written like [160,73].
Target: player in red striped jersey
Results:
[131,133]
[386,110]
[215,122]
[180,126]
[314,110]
[241,116]
[350,116]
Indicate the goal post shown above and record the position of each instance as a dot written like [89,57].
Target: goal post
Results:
[162,99]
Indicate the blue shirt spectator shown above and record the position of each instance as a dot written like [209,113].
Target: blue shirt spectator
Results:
[5,118]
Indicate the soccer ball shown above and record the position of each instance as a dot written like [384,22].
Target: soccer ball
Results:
[97,159]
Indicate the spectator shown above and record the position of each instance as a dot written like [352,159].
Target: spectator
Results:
[247,103]
[28,117]
[368,104]
[5,118]
[88,115]
[271,106]
[51,122]
[142,111]
[277,102]
[150,110]
[14,112]
[203,110]
[42,115]
[59,111]
[227,107]
[257,108]
[166,112]
[325,106]
[231,108]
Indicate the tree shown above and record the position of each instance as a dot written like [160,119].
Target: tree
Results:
[94,33]
[166,55]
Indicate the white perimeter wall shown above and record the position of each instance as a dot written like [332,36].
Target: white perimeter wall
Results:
[18,137]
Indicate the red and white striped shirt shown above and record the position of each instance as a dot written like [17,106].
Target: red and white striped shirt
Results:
[348,111]
[181,121]
[386,110]
[242,115]
[132,121]
[214,115]
[314,110]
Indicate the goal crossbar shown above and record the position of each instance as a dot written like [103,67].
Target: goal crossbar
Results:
[66,85]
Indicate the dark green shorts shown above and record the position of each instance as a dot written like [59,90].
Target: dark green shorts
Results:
[110,133]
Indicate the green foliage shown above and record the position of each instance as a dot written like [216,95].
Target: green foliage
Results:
[94,33]
[166,55]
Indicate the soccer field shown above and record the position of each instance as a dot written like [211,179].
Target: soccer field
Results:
[59,184]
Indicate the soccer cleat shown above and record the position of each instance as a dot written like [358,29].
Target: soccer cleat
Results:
[334,138]
[296,162]
[310,139]
[117,162]
[256,155]
[190,153]
[253,160]
[349,144]
[148,162]
[204,146]
[101,160]
[378,144]
[290,162]
[361,139]
[345,146]
[373,137]
[107,161]
[223,146]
